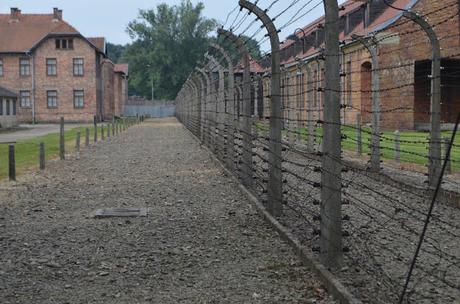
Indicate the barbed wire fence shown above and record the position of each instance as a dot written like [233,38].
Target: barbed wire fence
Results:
[278,129]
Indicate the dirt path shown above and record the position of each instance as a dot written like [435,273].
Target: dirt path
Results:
[201,243]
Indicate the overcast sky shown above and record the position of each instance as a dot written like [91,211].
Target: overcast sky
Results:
[109,18]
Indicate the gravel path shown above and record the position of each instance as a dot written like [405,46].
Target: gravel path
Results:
[201,243]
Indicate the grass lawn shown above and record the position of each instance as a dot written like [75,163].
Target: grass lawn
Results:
[27,151]
[414,145]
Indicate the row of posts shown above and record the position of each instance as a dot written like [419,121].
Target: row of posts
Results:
[198,93]
[114,128]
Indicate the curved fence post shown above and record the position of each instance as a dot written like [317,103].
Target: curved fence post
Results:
[434,162]
[371,46]
[275,195]
[246,121]
[230,107]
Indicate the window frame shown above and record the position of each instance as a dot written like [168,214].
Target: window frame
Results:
[82,96]
[29,103]
[48,65]
[24,69]
[75,65]
[55,98]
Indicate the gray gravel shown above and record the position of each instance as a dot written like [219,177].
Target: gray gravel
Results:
[201,243]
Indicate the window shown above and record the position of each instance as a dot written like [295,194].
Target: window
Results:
[1,106]
[78,67]
[78,98]
[8,107]
[51,97]
[14,106]
[1,67]
[24,99]
[64,44]
[51,67]
[24,67]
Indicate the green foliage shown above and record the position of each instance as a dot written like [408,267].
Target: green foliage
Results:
[115,51]
[168,41]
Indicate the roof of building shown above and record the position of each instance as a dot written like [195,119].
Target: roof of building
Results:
[254,66]
[20,33]
[382,18]
[7,93]
[98,42]
[121,68]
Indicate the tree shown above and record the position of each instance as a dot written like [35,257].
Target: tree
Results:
[168,41]
[115,51]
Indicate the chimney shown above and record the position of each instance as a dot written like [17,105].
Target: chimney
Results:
[15,13]
[57,14]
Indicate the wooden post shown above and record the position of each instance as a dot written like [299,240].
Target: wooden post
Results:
[102,133]
[62,141]
[87,137]
[41,156]
[95,130]
[397,147]
[11,163]
[108,130]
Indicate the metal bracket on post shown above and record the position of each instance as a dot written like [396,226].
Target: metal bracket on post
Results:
[371,46]
[331,182]
[230,108]
[434,164]
[275,196]
[246,125]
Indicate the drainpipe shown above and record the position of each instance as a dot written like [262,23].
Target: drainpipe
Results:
[33,85]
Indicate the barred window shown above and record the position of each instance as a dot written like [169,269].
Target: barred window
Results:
[51,67]
[24,67]
[24,97]
[1,67]
[78,67]
[51,97]
[78,98]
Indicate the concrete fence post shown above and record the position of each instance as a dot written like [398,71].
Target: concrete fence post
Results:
[275,193]
[310,123]
[359,135]
[41,156]
[230,107]
[397,146]
[371,46]
[62,140]
[246,120]
[331,182]
[434,162]
[11,163]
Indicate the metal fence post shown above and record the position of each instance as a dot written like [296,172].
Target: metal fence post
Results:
[246,121]
[275,195]
[61,140]
[371,46]
[11,163]
[331,190]
[434,163]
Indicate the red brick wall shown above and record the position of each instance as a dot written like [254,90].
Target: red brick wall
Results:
[108,77]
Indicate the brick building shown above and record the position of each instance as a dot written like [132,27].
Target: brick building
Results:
[56,71]
[404,56]
[8,108]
